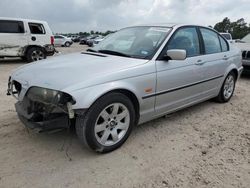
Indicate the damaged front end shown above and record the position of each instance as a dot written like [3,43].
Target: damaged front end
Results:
[43,109]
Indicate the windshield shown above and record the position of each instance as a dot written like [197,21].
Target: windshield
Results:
[227,36]
[137,42]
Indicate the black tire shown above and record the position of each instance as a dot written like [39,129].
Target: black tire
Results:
[85,125]
[24,58]
[221,98]
[67,44]
[30,54]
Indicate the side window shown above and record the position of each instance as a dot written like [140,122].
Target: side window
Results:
[211,41]
[36,28]
[11,26]
[224,45]
[186,39]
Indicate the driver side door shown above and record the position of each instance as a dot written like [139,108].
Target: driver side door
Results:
[179,81]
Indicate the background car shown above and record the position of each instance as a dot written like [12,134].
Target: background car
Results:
[85,39]
[76,39]
[61,40]
[95,41]
[244,45]
[32,40]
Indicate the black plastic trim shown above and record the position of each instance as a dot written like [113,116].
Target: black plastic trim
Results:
[182,87]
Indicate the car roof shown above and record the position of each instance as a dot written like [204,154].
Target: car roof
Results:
[21,19]
[172,25]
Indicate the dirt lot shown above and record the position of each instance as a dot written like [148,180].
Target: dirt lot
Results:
[207,145]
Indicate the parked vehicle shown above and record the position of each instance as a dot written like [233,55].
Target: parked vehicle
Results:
[76,39]
[244,45]
[135,75]
[95,41]
[29,39]
[85,39]
[90,42]
[61,40]
[228,37]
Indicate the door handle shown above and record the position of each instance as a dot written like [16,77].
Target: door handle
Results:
[199,62]
[225,58]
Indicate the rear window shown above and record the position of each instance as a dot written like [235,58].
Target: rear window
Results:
[224,45]
[211,41]
[227,36]
[36,28]
[11,26]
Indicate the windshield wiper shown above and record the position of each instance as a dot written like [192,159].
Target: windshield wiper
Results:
[113,53]
[91,50]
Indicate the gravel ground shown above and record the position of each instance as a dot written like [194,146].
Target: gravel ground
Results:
[207,145]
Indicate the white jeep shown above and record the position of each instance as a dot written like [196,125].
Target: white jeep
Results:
[31,40]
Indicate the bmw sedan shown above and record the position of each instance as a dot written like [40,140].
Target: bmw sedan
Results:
[137,74]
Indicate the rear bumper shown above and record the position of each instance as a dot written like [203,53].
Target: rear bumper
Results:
[49,50]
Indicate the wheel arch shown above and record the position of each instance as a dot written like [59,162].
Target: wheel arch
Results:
[235,71]
[131,96]
[232,68]
[25,50]
[88,96]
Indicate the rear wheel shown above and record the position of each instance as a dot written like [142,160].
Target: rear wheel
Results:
[227,88]
[107,124]
[35,54]
[67,44]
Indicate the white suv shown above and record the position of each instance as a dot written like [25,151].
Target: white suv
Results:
[31,40]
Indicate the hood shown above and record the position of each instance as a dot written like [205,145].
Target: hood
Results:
[67,70]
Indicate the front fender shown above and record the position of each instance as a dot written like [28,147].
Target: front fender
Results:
[86,97]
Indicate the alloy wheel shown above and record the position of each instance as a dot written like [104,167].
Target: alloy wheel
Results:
[37,55]
[229,87]
[112,124]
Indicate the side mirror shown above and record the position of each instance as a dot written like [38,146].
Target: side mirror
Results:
[176,54]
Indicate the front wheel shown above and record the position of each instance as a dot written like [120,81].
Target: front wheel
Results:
[107,124]
[227,88]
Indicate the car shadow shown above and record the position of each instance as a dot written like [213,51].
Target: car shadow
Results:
[12,61]
[245,74]
[66,142]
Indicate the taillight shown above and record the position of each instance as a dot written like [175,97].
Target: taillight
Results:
[52,40]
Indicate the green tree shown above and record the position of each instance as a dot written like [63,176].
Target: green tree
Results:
[238,29]
[223,26]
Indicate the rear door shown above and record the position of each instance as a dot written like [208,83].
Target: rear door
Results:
[215,60]
[12,38]
[178,82]
[38,35]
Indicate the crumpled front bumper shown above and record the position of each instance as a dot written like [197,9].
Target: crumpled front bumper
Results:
[47,123]
[41,121]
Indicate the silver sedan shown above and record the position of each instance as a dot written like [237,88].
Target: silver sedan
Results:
[135,75]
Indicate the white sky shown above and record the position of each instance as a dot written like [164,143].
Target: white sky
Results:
[86,15]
